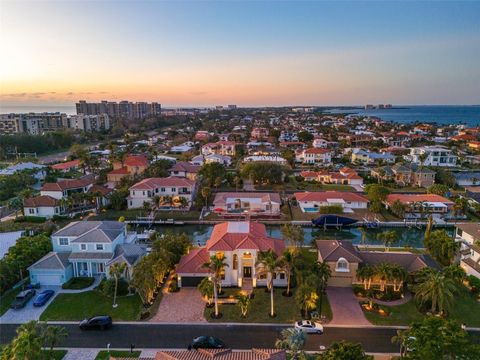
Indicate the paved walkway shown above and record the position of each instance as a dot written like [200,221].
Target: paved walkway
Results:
[97,281]
[345,307]
[186,305]
[81,354]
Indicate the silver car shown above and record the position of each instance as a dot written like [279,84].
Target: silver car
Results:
[309,327]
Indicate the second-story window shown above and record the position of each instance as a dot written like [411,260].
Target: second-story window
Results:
[99,246]
[83,247]
[63,241]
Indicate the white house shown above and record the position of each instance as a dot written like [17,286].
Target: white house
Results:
[432,156]
[313,156]
[212,158]
[254,204]
[370,158]
[175,187]
[265,158]
[239,243]
[310,202]
[185,147]
[219,148]
[468,234]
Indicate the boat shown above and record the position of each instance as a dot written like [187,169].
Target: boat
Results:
[333,221]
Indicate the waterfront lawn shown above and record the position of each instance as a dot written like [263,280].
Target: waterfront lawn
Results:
[286,308]
[105,355]
[74,307]
[78,283]
[7,298]
[465,310]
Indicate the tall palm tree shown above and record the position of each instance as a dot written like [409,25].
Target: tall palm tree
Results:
[437,289]
[384,272]
[117,270]
[27,345]
[306,298]
[366,274]
[388,237]
[268,264]
[206,290]
[216,266]
[287,263]
[53,334]
[323,272]
[398,276]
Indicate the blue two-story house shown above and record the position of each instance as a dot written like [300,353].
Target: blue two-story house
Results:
[86,248]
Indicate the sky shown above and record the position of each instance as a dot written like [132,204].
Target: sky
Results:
[254,53]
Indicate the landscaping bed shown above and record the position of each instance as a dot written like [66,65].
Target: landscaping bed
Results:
[376,294]
[78,283]
[78,306]
[105,355]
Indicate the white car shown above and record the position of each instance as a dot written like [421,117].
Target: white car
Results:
[309,327]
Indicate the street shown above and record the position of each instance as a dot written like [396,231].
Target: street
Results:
[234,336]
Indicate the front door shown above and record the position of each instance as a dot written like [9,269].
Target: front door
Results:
[247,272]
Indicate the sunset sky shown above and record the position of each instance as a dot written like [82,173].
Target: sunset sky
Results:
[245,53]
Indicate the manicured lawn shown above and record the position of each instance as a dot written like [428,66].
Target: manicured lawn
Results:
[465,310]
[7,298]
[286,308]
[54,355]
[78,283]
[83,305]
[105,355]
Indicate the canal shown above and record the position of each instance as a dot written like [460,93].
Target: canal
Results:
[412,237]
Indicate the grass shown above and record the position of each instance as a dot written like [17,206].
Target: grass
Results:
[54,355]
[286,308]
[78,283]
[75,307]
[465,310]
[7,298]
[105,355]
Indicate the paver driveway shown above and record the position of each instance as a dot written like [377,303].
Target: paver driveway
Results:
[29,312]
[186,305]
[345,307]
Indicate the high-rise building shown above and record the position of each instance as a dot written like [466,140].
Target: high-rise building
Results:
[124,109]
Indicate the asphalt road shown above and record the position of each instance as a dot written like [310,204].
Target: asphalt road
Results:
[234,336]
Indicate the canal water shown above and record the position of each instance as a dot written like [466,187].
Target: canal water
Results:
[412,237]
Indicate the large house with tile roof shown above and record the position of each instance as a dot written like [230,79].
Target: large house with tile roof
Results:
[239,242]
[185,170]
[132,165]
[173,186]
[247,203]
[215,354]
[86,248]
[344,259]
[313,156]
[345,176]
[419,205]
[311,202]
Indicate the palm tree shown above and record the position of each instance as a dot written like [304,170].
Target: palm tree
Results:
[268,265]
[323,273]
[183,202]
[53,334]
[291,339]
[437,289]
[206,290]
[27,344]
[366,274]
[216,267]
[388,238]
[306,298]
[205,194]
[287,263]
[243,302]
[293,234]
[398,276]
[384,272]
[363,239]
[117,270]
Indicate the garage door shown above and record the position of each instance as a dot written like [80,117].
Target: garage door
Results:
[49,279]
[191,281]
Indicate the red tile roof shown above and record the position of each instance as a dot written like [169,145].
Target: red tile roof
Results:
[316,151]
[192,263]
[40,201]
[120,171]
[136,160]
[411,198]
[153,183]
[66,165]
[324,195]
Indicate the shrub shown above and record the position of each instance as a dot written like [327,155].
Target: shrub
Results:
[107,287]
[30,219]
[331,209]
[474,283]
[78,283]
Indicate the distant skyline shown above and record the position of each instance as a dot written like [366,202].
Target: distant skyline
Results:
[246,53]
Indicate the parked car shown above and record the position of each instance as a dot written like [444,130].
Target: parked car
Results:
[207,342]
[43,297]
[97,322]
[309,327]
[22,299]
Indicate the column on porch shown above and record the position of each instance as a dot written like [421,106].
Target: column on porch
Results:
[89,267]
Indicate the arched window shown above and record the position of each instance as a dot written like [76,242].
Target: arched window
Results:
[235,261]
[342,265]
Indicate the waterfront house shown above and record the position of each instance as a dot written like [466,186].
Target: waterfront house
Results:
[420,205]
[432,156]
[86,248]
[311,202]
[468,234]
[405,175]
[247,203]
[239,242]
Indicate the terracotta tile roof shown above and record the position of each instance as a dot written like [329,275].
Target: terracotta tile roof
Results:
[308,174]
[66,184]
[136,160]
[222,354]
[185,166]
[411,198]
[40,201]
[153,183]
[316,151]
[192,263]
[66,165]
[322,196]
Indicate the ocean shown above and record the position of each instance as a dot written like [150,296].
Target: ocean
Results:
[440,114]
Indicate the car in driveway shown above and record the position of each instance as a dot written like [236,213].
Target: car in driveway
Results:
[22,299]
[43,297]
[102,322]
[309,327]
[206,342]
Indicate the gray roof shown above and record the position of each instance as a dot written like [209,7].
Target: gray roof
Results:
[84,255]
[467,175]
[130,252]
[92,231]
[332,250]
[410,262]
[52,261]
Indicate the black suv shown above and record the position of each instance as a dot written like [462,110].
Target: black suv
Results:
[206,342]
[22,299]
[96,322]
